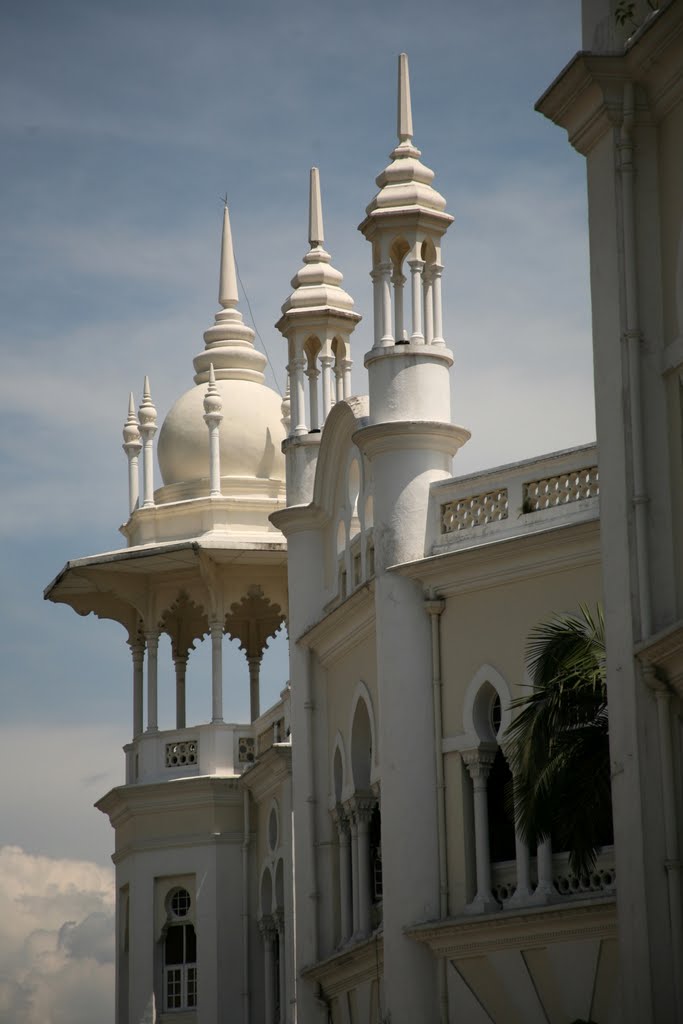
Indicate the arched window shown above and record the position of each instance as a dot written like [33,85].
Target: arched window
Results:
[180,954]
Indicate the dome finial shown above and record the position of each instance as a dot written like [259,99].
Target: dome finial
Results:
[227,288]
[316,235]
[405,113]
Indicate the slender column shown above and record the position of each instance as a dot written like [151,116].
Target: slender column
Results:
[387,338]
[438,338]
[148,428]
[523,891]
[376,277]
[345,894]
[354,865]
[346,365]
[132,445]
[313,373]
[479,764]
[398,280]
[254,663]
[298,395]
[279,918]
[180,664]
[137,649]
[212,417]
[152,639]
[268,932]
[417,337]
[339,380]
[428,280]
[216,630]
[363,812]
[328,401]
[293,400]
[545,890]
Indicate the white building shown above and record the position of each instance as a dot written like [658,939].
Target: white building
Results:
[345,855]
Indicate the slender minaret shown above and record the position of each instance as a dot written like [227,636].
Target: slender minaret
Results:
[410,443]
[317,321]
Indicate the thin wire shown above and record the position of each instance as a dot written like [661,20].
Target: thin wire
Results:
[258,334]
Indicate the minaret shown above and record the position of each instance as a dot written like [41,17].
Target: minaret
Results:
[410,444]
[317,321]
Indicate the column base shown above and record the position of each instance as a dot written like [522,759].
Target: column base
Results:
[520,898]
[544,894]
[482,905]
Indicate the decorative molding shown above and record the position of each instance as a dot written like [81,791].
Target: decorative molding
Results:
[351,967]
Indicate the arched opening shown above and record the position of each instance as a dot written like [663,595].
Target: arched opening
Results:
[398,252]
[275,669]
[266,893]
[361,747]
[311,351]
[337,775]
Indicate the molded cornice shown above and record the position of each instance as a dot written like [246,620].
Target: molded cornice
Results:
[272,768]
[345,627]
[349,968]
[407,435]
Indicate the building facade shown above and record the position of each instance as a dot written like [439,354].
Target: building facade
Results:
[346,855]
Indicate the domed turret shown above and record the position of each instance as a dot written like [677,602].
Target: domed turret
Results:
[251,432]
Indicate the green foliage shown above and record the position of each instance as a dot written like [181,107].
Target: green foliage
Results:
[560,750]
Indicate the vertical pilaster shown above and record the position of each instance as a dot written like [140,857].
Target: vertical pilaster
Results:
[377,305]
[416,267]
[326,362]
[387,329]
[313,373]
[428,282]
[398,281]
[254,663]
[268,932]
[346,374]
[345,893]
[438,339]
[180,665]
[545,890]
[137,650]
[362,812]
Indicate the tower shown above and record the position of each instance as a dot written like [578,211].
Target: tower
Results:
[317,320]
[410,442]
[202,560]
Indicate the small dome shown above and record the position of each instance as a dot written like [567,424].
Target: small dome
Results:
[251,434]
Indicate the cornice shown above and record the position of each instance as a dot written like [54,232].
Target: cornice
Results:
[410,435]
[664,653]
[350,967]
[491,933]
[343,628]
[270,770]
[125,802]
[178,842]
[507,560]
[299,519]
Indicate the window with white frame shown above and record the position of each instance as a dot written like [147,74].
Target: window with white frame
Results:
[180,954]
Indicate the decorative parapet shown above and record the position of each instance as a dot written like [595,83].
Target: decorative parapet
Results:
[578,485]
[601,881]
[184,752]
[465,513]
[515,499]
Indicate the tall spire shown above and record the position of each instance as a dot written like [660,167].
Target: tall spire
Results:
[405,113]
[227,288]
[316,235]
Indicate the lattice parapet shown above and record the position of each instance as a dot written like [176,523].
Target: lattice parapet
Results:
[181,754]
[601,879]
[475,510]
[246,749]
[562,489]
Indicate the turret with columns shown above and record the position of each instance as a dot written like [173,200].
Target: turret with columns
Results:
[317,321]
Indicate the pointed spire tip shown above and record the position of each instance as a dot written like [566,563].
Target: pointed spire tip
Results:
[227,287]
[405,114]
[316,234]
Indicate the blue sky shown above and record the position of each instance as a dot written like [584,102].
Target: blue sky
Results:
[122,125]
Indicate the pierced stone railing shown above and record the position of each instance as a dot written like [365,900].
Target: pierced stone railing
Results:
[601,880]
[560,490]
[475,510]
[184,752]
[516,499]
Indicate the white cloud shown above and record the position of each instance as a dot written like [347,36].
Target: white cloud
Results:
[56,940]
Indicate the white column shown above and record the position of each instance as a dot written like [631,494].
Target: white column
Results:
[212,417]
[313,373]
[545,890]
[180,664]
[346,373]
[328,401]
[416,337]
[152,639]
[293,400]
[137,650]
[354,866]
[296,371]
[387,338]
[216,630]
[148,428]
[339,380]
[427,280]
[254,663]
[398,280]
[438,338]
[523,891]
[345,894]
[363,812]
[479,764]
[268,933]
[376,277]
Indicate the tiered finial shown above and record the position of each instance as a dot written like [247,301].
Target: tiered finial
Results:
[131,446]
[148,428]
[227,288]
[316,235]
[405,113]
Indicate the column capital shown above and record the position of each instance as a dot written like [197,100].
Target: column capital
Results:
[362,806]
[479,761]
[267,927]
[416,265]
